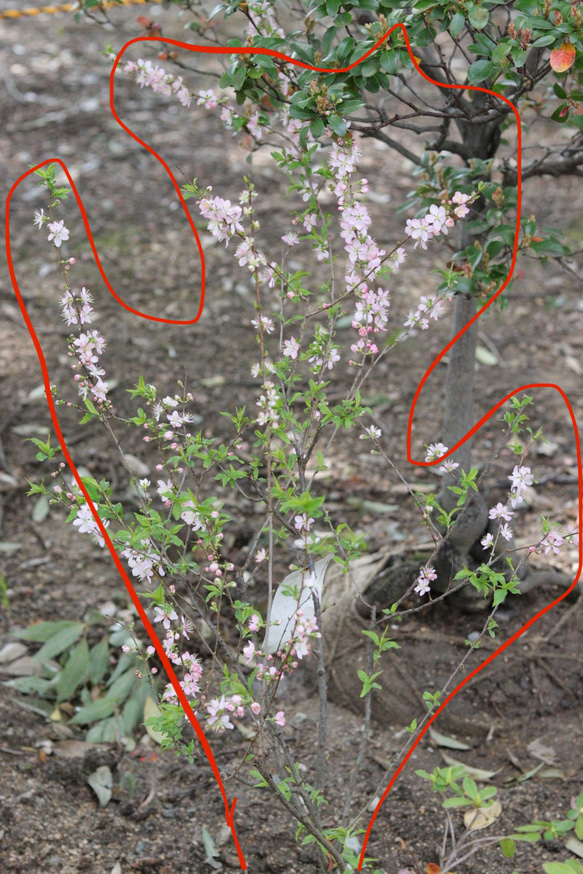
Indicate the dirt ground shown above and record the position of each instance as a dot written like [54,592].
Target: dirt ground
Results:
[54,103]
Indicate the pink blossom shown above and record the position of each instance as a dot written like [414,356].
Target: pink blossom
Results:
[249,651]
[224,218]
[58,232]
[265,322]
[255,622]
[487,541]
[434,451]
[426,576]
[291,348]
[291,239]
[436,218]
[552,542]
[461,199]
[218,719]
[419,230]
[500,511]
[165,615]
[254,127]
[371,433]
[279,718]
[303,523]
[208,99]
[521,478]
[86,523]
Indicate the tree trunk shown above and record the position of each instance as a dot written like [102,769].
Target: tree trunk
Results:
[459,387]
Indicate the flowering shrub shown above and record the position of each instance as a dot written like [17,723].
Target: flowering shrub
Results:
[173,545]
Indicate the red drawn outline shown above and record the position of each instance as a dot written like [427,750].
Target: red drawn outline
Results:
[229,810]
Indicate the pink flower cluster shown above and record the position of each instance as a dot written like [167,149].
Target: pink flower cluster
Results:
[224,217]
[365,258]
[268,403]
[148,75]
[323,354]
[424,580]
[429,307]
[144,562]
[438,219]
[76,309]
[86,523]
[520,479]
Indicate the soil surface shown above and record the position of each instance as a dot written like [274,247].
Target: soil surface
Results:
[54,103]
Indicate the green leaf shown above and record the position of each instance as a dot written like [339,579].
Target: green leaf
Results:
[479,17]
[122,686]
[98,661]
[558,868]
[133,709]
[508,847]
[546,40]
[561,114]
[94,711]
[40,632]
[500,52]
[30,684]
[518,55]
[479,71]
[317,128]
[60,641]
[457,24]
[239,77]
[74,672]
[457,802]
[337,124]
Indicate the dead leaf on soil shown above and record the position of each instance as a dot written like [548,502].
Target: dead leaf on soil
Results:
[477,774]
[552,774]
[11,652]
[538,750]
[210,849]
[72,749]
[574,846]
[5,546]
[484,356]
[213,381]
[135,465]
[442,740]
[24,667]
[530,774]
[573,365]
[101,783]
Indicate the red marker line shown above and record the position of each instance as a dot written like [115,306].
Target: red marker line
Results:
[223,50]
